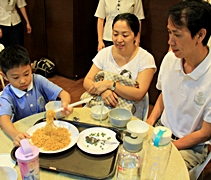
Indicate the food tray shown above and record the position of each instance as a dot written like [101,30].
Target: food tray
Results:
[75,161]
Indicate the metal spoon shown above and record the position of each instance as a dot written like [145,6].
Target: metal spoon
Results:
[93,140]
[101,111]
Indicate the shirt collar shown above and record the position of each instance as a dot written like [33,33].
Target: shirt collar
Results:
[21,93]
[199,71]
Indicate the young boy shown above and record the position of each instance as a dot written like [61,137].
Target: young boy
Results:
[26,93]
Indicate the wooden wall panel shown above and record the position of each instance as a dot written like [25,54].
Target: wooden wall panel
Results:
[71,35]
[85,35]
[59,22]
[154,36]
[35,42]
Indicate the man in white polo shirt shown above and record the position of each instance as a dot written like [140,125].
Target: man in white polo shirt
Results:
[184,80]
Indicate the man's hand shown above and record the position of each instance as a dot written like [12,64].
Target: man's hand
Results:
[150,122]
[1,34]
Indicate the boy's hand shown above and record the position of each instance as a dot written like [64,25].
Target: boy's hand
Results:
[19,136]
[67,110]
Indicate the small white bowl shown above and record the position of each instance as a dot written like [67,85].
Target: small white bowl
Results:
[138,127]
[7,172]
[54,105]
[119,117]
[95,110]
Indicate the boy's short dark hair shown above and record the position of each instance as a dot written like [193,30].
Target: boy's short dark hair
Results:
[193,14]
[12,57]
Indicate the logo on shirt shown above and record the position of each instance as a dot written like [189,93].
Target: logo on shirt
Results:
[199,99]
[40,99]
[126,73]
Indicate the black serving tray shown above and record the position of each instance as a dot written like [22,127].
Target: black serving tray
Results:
[75,161]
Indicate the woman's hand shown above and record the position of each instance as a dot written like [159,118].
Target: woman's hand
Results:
[19,137]
[110,98]
[100,86]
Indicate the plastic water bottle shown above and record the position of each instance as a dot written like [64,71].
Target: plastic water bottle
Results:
[157,154]
[130,159]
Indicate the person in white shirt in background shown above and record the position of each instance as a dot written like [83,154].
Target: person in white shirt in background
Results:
[107,10]
[11,27]
[1,47]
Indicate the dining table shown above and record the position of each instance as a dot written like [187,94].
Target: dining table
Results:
[176,169]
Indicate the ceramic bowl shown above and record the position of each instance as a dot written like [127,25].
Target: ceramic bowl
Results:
[95,110]
[54,105]
[138,127]
[119,117]
[7,172]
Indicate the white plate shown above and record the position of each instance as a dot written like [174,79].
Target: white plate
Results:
[6,160]
[99,148]
[8,173]
[71,128]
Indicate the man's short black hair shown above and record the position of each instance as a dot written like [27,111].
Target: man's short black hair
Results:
[12,57]
[193,14]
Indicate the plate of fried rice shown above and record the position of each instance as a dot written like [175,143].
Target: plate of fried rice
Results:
[53,138]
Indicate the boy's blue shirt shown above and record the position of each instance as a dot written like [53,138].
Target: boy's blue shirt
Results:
[19,104]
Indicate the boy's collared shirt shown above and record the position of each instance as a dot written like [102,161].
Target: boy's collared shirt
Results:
[19,104]
[21,93]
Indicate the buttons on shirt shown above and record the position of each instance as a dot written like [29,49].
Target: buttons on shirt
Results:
[118,5]
[31,105]
[184,86]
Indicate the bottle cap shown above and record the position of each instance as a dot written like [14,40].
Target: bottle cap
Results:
[26,151]
[161,136]
[133,144]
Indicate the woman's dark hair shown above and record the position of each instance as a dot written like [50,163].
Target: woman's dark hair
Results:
[12,57]
[193,14]
[131,20]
